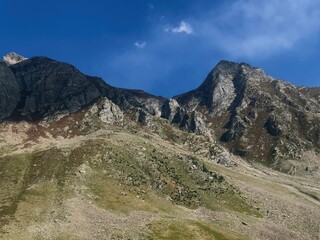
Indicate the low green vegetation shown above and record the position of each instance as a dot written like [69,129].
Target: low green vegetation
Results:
[118,176]
[187,229]
[122,179]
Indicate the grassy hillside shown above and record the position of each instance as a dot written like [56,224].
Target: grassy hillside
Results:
[134,182]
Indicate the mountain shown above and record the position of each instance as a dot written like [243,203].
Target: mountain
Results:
[236,158]
[259,117]
[43,87]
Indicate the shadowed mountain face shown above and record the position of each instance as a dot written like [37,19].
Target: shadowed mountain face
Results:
[9,94]
[47,86]
[39,87]
[253,115]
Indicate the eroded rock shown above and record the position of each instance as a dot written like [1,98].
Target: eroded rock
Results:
[111,113]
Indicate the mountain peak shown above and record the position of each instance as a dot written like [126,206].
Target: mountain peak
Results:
[224,66]
[227,65]
[13,58]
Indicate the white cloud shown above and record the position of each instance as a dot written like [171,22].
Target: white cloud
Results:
[150,6]
[140,44]
[251,28]
[183,27]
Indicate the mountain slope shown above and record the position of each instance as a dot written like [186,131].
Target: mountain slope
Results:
[78,177]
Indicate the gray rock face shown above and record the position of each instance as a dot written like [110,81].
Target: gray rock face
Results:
[223,89]
[272,126]
[143,117]
[9,91]
[48,87]
[220,90]
[171,111]
[236,130]
[149,103]
[224,159]
[111,113]
[195,122]
[13,58]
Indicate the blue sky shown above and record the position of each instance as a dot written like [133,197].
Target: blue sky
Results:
[167,47]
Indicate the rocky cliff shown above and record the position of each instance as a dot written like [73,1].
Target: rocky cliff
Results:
[258,117]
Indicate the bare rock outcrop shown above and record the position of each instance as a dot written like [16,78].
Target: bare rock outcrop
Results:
[9,91]
[13,58]
[111,113]
[171,110]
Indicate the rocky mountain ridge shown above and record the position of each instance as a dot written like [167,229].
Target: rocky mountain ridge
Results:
[250,113]
[39,87]
[257,116]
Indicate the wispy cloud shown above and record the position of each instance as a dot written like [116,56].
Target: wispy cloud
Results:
[150,6]
[251,28]
[183,27]
[140,45]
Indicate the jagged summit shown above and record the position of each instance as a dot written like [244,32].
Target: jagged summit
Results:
[221,86]
[255,115]
[13,58]
[225,65]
